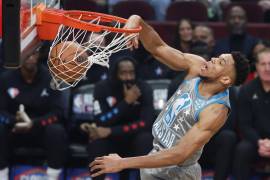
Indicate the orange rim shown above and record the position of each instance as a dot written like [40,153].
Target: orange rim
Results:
[75,19]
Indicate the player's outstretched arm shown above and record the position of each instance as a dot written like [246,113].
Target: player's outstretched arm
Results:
[152,42]
[211,120]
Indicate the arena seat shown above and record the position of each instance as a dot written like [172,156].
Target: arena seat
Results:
[160,93]
[195,11]
[126,8]
[86,5]
[253,10]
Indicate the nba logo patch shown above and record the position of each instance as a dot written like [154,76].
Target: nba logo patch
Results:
[13,92]
[180,103]
[111,101]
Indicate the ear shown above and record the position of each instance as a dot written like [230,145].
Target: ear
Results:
[226,80]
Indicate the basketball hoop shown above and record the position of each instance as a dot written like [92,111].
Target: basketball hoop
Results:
[79,33]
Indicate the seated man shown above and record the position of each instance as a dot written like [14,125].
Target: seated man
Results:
[124,112]
[31,114]
[254,106]
[238,39]
[196,111]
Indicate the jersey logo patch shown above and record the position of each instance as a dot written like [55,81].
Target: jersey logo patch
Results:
[44,93]
[111,101]
[180,103]
[13,92]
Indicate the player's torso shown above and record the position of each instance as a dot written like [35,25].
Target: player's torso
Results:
[180,114]
[176,118]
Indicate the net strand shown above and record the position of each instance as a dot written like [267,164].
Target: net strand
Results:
[68,73]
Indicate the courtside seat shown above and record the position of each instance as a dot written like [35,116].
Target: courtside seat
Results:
[195,11]
[126,8]
[160,93]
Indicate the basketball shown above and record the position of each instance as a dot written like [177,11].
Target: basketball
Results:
[68,61]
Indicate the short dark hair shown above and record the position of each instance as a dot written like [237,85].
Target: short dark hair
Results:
[241,65]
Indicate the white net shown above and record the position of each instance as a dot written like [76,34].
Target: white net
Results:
[74,51]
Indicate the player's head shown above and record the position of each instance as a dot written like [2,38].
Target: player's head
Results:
[204,34]
[123,70]
[263,64]
[184,30]
[31,61]
[236,20]
[227,69]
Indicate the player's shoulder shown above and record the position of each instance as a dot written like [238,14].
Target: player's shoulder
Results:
[215,108]
[196,62]
[8,74]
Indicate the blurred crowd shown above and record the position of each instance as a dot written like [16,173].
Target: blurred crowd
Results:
[122,99]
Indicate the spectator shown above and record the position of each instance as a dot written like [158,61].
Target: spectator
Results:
[254,105]
[38,123]
[238,39]
[204,34]
[124,113]
[183,39]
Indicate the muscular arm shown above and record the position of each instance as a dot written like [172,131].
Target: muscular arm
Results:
[173,58]
[210,121]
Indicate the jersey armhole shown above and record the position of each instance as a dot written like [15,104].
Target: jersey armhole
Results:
[197,113]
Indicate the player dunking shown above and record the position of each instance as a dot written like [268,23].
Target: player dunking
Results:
[195,112]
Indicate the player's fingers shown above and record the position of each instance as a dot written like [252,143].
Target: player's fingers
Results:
[95,162]
[136,42]
[97,168]
[98,173]
[99,158]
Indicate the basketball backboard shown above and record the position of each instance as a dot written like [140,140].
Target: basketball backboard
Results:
[19,31]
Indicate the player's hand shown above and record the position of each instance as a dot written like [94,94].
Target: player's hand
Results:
[105,164]
[23,122]
[90,129]
[100,133]
[95,132]
[86,127]
[131,94]
[132,23]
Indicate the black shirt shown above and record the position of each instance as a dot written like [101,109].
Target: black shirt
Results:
[254,111]
[42,104]
[112,110]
